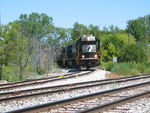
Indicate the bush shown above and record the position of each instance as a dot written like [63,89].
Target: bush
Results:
[133,53]
[10,73]
[131,68]
[110,48]
[40,70]
[125,69]
[106,66]
[143,67]
[111,45]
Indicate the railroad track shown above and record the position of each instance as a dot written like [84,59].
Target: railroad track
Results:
[135,104]
[39,83]
[34,80]
[122,105]
[88,88]
[60,88]
[85,102]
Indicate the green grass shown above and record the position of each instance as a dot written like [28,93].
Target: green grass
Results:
[106,66]
[127,68]
[11,73]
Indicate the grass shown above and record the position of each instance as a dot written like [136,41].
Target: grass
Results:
[127,68]
[11,73]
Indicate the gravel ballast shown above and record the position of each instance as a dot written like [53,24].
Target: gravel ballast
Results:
[31,101]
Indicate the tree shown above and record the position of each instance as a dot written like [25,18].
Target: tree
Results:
[35,25]
[37,28]
[78,31]
[15,48]
[7,49]
[61,36]
[133,53]
[114,29]
[94,30]
[112,45]
[140,29]
[23,52]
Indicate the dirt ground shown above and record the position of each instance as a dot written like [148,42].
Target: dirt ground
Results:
[112,75]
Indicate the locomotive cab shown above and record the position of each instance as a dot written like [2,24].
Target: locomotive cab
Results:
[89,51]
[82,54]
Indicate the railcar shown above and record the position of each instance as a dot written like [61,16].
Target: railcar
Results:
[84,53]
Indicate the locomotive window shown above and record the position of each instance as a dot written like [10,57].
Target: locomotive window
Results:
[88,48]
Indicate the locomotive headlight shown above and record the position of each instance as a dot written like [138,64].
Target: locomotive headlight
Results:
[95,55]
[83,56]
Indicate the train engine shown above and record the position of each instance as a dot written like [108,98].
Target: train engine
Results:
[84,53]
[88,48]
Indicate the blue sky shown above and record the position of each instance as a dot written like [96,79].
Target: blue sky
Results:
[66,12]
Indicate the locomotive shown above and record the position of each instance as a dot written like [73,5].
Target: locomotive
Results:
[84,53]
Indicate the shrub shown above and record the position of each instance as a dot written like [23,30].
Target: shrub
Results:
[10,73]
[112,45]
[143,67]
[40,70]
[125,69]
[133,53]
[107,66]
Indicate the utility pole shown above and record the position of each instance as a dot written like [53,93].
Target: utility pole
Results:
[0,24]
[128,34]
[149,29]
[1,61]
[0,18]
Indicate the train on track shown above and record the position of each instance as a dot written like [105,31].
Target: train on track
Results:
[84,53]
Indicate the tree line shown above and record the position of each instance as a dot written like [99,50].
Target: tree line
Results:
[30,43]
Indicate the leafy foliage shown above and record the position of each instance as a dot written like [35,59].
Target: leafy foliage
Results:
[78,31]
[107,66]
[125,69]
[133,53]
[31,42]
[35,25]
[112,45]
[140,28]
[94,30]
[41,70]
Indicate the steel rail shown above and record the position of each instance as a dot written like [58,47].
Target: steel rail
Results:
[14,83]
[46,106]
[46,81]
[33,80]
[107,106]
[74,86]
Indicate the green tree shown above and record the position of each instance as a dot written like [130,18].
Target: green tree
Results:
[7,48]
[15,47]
[37,28]
[35,25]
[23,53]
[94,30]
[78,31]
[113,29]
[109,52]
[112,45]
[133,53]
[110,29]
[61,36]
[140,29]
